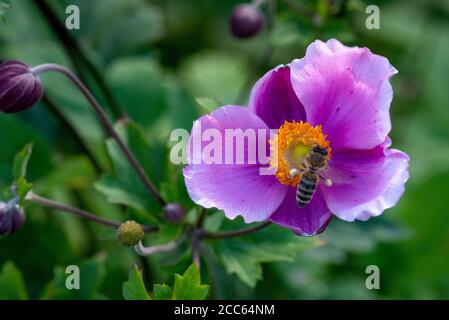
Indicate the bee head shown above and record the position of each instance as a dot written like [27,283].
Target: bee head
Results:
[320,150]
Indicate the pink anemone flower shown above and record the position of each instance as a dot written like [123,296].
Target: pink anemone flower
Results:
[336,97]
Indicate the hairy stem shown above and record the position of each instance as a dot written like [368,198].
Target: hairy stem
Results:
[197,236]
[235,233]
[80,213]
[106,123]
[75,52]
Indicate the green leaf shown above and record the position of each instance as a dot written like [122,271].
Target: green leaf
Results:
[162,292]
[22,189]
[214,74]
[139,86]
[70,102]
[207,105]
[12,286]
[188,286]
[20,164]
[75,172]
[91,272]
[243,256]
[134,288]
[4,5]
[125,187]
[18,133]
[111,26]
[286,33]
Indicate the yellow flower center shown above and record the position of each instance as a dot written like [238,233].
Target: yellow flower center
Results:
[291,145]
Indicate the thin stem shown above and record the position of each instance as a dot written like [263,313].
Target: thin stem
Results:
[236,233]
[298,7]
[81,213]
[202,218]
[161,248]
[106,123]
[197,236]
[272,8]
[75,52]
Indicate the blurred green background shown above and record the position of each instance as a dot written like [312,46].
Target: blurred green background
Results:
[150,59]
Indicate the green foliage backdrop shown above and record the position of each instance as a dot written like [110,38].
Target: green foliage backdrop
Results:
[156,57]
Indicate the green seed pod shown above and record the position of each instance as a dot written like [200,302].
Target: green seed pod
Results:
[130,233]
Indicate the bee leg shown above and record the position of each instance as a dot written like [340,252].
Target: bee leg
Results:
[294,172]
[327,181]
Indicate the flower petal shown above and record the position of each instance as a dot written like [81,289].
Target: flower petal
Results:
[237,189]
[365,183]
[347,91]
[307,221]
[274,100]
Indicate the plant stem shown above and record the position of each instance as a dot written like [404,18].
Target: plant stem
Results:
[236,233]
[106,123]
[75,52]
[197,236]
[81,213]
[161,248]
[202,218]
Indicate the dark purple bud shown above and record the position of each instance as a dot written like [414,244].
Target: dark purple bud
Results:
[20,89]
[246,21]
[12,218]
[174,212]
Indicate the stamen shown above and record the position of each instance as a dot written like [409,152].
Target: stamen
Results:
[290,146]
[294,172]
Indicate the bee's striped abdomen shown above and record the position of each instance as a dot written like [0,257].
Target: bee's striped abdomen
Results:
[306,188]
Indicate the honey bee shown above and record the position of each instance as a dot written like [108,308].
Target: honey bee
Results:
[310,169]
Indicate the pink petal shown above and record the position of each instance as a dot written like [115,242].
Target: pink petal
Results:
[307,221]
[237,189]
[347,91]
[274,100]
[365,183]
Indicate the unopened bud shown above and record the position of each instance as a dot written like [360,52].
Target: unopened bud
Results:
[174,212]
[130,233]
[20,88]
[12,218]
[246,21]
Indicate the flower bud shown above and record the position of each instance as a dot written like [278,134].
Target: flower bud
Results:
[173,212]
[20,88]
[130,233]
[246,21]
[12,218]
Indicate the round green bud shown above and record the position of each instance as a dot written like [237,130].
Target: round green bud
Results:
[130,233]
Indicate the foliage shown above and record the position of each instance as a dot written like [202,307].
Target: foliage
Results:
[4,5]
[165,63]
[12,285]
[134,288]
[186,287]
[243,256]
